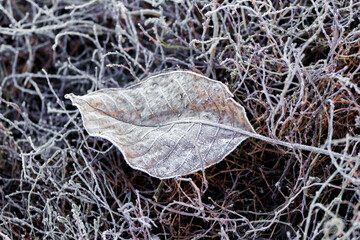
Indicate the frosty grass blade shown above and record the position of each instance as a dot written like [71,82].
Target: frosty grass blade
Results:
[168,125]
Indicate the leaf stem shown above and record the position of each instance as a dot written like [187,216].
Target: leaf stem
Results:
[298,146]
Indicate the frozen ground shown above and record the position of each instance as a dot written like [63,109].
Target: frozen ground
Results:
[293,65]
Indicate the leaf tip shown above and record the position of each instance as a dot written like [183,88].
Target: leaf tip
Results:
[69,96]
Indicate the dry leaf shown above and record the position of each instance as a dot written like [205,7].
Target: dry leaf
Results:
[169,125]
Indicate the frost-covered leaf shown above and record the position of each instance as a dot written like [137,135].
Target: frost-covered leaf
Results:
[169,125]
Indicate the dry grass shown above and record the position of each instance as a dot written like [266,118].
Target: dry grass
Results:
[294,65]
